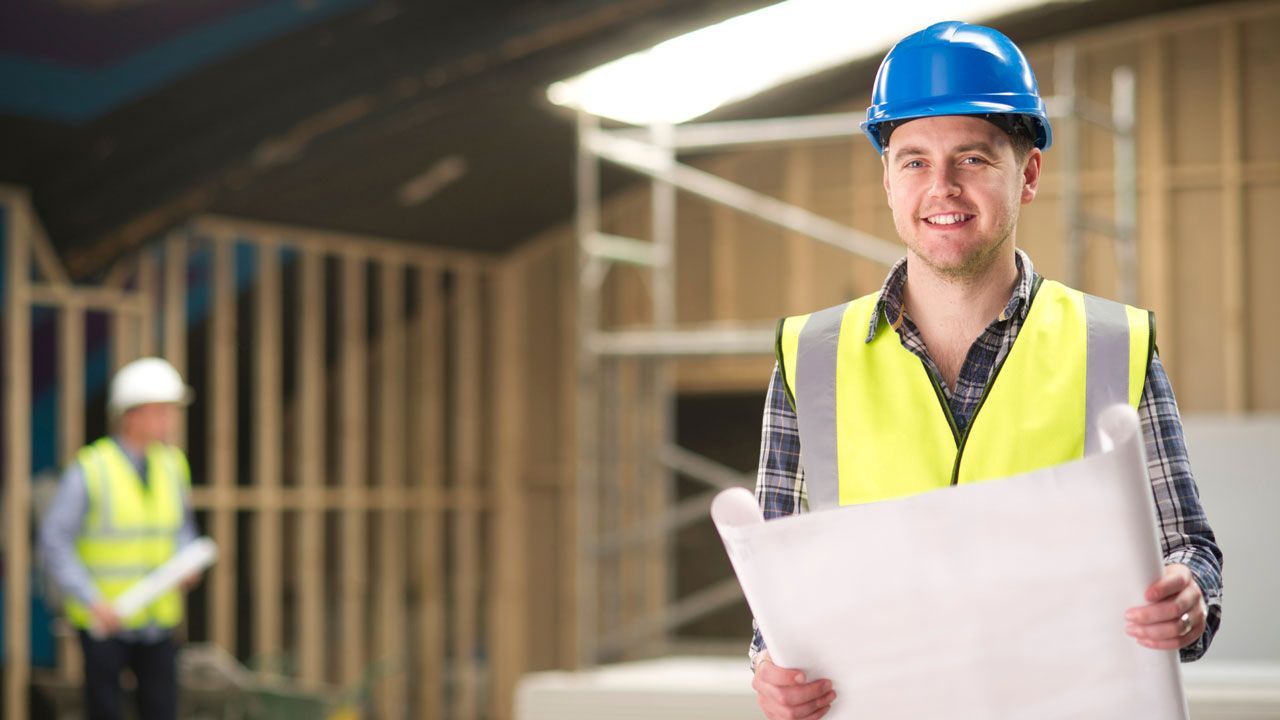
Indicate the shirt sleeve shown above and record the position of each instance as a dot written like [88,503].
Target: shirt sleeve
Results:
[1185,535]
[780,484]
[58,532]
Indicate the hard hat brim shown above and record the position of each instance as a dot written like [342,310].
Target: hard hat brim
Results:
[876,116]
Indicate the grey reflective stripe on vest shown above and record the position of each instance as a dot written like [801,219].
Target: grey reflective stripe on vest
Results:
[1107,373]
[119,572]
[130,534]
[815,393]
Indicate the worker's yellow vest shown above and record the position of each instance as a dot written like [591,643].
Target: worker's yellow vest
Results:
[130,529]
[874,423]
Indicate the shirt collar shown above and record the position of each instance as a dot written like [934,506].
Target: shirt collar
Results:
[138,459]
[891,308]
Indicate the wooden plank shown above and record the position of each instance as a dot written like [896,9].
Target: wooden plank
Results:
[309,460]
[340,243]
[390,698]
[175,314]
[605,507]
[71,431]
[1234,290]
[429,460]
[465,387]
[656,406]
[629,495]
[119,274]
[477,500]
[801,255]
[724,255]
[46,258]
[267,400]
[570,540]
[148,287]
[868,205]
[353,464]
[71,402]
[508,559]
[17,493]
[88,298]
[222,443]
[125,336]
[1155,235]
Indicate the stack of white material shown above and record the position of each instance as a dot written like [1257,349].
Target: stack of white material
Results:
[675,688]
[719,688]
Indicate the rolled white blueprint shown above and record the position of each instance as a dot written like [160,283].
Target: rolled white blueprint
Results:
[194,557]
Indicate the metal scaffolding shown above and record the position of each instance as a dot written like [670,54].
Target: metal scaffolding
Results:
[653,153]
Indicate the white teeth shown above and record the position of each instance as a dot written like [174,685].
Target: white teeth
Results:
[945,219]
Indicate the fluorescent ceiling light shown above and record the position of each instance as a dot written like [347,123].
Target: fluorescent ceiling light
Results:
[693,74]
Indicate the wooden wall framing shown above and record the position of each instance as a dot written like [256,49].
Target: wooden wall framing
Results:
[366,449]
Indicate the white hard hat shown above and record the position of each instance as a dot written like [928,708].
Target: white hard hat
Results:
[147,380]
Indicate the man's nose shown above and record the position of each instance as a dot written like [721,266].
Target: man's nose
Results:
[942,182]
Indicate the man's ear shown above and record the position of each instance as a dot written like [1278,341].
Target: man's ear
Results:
[1031,174]
[884,176]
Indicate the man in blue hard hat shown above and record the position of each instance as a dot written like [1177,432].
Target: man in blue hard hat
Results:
[924,390]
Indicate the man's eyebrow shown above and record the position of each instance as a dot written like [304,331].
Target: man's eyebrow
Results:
[981,147]
[907,150]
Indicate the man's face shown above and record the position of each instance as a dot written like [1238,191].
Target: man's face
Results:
[955,187]
[153,422]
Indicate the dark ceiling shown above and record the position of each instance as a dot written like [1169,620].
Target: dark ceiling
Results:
[321,119]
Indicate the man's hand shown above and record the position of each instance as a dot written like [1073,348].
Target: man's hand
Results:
[1159,624]
[784,694]
[105,620]
[190,582]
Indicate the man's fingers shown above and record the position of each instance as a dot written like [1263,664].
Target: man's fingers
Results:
[798,695]
[787,693]
[1169,609]
[814,708]
[1175,578]
[1157,631]
[810,710]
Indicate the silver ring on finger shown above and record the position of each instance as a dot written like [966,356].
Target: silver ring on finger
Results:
[1185,627]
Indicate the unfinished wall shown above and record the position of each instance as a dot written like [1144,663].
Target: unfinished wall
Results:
[352,447]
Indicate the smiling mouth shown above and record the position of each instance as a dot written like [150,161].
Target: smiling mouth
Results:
[948,219]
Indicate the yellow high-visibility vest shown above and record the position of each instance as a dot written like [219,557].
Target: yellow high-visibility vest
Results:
[875,425]
[130,529]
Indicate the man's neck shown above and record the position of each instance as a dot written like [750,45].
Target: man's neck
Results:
[132,444]
[951,313]
[964,302]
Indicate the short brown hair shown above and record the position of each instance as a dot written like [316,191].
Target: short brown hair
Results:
[1020,129]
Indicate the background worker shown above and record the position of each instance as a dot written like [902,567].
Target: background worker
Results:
[967,365]
[122,509]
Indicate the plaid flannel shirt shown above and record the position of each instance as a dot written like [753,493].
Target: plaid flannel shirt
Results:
[1185,535]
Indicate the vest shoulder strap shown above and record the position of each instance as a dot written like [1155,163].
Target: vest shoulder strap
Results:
[789,330]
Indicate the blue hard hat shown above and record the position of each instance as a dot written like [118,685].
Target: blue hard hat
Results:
[953,68]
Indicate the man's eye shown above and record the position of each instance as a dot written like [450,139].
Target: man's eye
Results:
[971,161]
[914,164]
